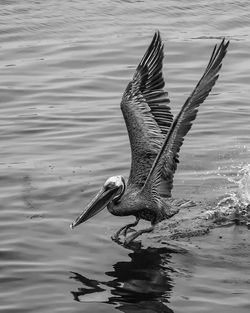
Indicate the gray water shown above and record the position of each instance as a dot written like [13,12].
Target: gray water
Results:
[64,66]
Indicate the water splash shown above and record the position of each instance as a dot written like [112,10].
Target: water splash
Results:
[242,182]
[235,206]
[244,185]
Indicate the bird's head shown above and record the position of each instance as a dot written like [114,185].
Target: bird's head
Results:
[112,190]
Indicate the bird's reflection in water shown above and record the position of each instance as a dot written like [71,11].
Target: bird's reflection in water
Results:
[142,284]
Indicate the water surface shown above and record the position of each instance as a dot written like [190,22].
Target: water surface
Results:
[64,66]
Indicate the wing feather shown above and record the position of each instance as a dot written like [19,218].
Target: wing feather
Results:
[183,121]
[146,113]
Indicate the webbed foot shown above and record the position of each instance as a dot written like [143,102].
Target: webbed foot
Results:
[132,237]
[124,230]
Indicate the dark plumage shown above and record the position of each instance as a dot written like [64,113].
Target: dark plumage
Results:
[155,140]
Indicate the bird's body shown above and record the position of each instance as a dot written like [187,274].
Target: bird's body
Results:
[155,141]
[134,203]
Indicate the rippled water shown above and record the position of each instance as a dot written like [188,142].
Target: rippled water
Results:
[64,66]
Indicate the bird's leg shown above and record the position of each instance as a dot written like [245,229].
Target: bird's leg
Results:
[125,229]
[132,237]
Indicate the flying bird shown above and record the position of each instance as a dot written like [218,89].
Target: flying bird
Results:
[155,140]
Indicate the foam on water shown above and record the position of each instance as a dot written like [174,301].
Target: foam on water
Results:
[236,204]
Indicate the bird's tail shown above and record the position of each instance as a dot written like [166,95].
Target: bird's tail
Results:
[182,203]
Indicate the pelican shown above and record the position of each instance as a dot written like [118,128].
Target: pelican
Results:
[155,140]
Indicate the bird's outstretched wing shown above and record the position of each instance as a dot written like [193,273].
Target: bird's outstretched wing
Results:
[146,113]
[183,121]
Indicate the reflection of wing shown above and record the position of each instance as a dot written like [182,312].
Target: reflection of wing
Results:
[145,110]
[183,121]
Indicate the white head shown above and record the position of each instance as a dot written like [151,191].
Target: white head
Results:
[116,182]
[112,190]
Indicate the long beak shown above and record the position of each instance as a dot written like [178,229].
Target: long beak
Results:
[100,201]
